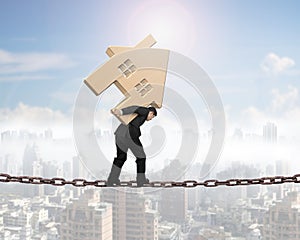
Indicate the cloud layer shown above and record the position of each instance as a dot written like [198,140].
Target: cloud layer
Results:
[35,119]
[24,66]
[273,64]
[283,109]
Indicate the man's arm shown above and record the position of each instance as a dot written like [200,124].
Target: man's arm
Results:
[135,109]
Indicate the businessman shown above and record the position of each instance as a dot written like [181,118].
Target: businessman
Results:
[127,137]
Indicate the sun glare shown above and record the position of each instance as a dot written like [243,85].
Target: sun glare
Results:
[168,22]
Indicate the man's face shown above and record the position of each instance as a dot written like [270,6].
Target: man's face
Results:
[150,116]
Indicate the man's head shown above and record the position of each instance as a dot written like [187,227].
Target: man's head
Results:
[152,113]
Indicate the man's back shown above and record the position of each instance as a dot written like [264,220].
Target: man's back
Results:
[134,126]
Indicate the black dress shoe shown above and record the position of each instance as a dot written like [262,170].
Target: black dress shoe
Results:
[141,180]
[112,182]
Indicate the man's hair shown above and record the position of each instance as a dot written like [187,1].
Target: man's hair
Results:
[152,109]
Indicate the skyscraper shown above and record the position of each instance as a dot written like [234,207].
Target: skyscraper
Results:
[282,221]
[78,168]
[87,218]
[132,219]
[30,156]
[32,166]
[48,134]
[270,132]
[174,202]
[118,201]
[173,206]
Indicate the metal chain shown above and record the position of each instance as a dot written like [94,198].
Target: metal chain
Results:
[79,182]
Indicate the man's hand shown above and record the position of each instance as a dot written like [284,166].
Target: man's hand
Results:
[116,112]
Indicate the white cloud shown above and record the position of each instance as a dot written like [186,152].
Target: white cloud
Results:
[15,66]
[16,78]
[273,64]
[252,119]
[33,118]
[283,110]
[284,101]
[287,123]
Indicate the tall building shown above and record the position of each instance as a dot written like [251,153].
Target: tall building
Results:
[78,168]
[282,221]
[282,168]
[238,134]
[49,171]
[18,221]
[133,218]
[5,136]
[174,202]
[67,169]
[48,134]
[141,219]
[87,219]
[118,201]
[9,164]
[32,166]
[270,133]
[30,156]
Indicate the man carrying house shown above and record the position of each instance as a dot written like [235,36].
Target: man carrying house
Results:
[127,136]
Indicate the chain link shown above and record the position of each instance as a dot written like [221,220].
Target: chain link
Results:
[80,182]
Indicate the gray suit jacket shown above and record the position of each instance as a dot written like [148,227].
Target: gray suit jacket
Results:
[133,128]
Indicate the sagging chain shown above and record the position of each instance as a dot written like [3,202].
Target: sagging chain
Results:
[79,182]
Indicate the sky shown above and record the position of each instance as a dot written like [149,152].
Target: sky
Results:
[250,49]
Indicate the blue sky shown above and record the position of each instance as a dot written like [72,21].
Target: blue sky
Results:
[48,47]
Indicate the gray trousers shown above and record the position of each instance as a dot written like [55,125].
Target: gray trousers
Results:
[136,147]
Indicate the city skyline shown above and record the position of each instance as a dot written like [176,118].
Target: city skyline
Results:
[256,145]
[243,213]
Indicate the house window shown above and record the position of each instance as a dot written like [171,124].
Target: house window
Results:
[127,68]
[143,87]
